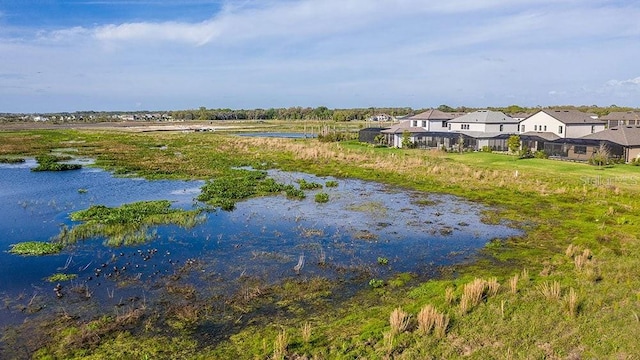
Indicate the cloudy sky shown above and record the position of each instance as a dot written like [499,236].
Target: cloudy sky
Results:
[70,55]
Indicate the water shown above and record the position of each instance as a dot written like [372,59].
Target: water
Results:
[264,239]
[278,135]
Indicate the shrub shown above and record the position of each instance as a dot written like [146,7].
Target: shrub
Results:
[376,283]
[399,321]
[487,149]
[541,154]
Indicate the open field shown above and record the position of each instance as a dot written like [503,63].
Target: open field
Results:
[569,288]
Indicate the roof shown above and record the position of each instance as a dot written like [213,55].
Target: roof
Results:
[432,114]
[520,115]
[622,115]
[571,117]
[621,135]
[484,135]
[549,136]
[401,127]
[486,117]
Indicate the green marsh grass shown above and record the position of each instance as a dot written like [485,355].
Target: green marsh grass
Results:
[36,248]
[128,224]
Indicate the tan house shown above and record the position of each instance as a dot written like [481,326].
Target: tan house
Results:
[622,118]
[562,123]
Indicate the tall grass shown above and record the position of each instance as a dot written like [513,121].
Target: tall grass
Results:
[551,291]
[472,294]
[399,321]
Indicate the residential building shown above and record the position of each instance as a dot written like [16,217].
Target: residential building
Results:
[562,123]
[622,118]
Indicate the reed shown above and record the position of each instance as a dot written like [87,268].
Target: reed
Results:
[441,325]
[472,294]
[513,284]
[280,345]
[492,287]
[399,321]
[427,319]
[306,332]
[551,291]
[572,302]
[449,296]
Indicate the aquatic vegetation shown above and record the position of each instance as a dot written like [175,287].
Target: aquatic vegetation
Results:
[52,163]
[331,183]
[127,224]
[322,197]
[11,160]
[306,185]
[61,277]
[36,248]
[238,185]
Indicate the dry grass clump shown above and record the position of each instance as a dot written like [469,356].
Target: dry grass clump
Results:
[430,319]
[472,294]
[572,302]
[280,345]
[551,291]
[492,287]
[513,283]
[306,332]
[449,296]
[399,321]
[427,319]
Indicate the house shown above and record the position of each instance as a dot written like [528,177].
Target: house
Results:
[484,121]
[622,118]
[432,120]
[485,129]
[562,123]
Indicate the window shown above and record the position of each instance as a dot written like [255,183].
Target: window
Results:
[501,127]
[444,123]
[560,129]
[449,126]
[521,128]
[414,123]
[545,128]
[580,149]
[535,127]
[424,123]
[593,129]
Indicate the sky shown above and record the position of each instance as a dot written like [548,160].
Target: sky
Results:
[129,55]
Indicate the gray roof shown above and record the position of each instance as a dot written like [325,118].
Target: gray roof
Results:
[571,117]
[544,135]
[483,134]
[622,135]
[622,115]
[403,126]
[432,114]
[486,117]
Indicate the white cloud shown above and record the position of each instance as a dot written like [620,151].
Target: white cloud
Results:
[628,82]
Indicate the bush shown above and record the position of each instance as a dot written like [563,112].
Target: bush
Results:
[487,149]
[540,154]
[525,154]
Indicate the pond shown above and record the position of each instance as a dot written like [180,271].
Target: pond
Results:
[365,231]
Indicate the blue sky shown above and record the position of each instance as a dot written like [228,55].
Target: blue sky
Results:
[72,55]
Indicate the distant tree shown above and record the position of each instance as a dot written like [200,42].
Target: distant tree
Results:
[203,114]
[446,108]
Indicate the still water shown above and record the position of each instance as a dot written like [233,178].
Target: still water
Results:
[266,239]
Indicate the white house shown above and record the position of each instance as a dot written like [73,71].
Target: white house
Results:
[431,120]
[562,123]
[484,121]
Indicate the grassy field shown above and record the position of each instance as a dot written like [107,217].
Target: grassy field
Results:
[569,288]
